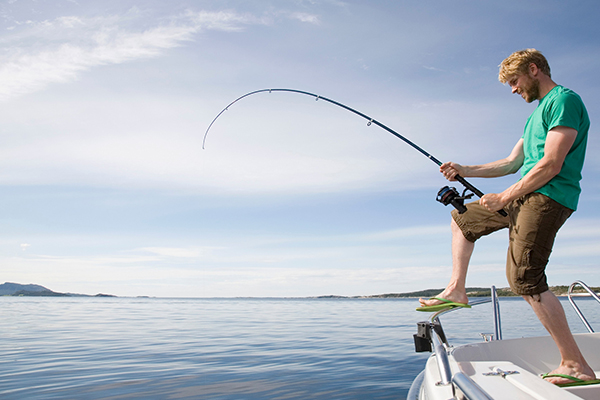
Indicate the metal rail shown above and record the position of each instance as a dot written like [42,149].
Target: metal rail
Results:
[467,386]
[470,389]
[441,359]
[577,310]
[496,309]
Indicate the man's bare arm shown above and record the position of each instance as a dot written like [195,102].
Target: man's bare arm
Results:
[505,166]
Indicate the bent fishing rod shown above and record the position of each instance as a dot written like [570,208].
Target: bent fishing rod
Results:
[446,195]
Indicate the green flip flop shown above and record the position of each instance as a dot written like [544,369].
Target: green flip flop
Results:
[445,304]
[576,381]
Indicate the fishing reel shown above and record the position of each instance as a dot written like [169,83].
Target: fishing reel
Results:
[449,195]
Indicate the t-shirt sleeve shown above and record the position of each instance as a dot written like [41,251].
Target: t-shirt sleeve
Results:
[566,111]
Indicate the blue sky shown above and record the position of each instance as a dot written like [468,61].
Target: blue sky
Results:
[106,188]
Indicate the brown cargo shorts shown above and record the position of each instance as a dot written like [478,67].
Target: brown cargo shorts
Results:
[533,222]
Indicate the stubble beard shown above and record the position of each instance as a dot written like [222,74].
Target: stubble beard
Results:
[532,92]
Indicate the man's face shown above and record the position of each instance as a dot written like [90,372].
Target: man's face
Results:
[525,85]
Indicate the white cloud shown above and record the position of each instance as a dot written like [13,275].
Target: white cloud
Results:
[588,228]
[67,46]
[176,252]
[222,20]
[305,17]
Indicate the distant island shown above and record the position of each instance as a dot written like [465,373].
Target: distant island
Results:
[31,290]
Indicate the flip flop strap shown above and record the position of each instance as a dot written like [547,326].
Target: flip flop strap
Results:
[562,376]
[441,299]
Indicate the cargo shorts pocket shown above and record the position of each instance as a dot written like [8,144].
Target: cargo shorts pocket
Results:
[526,265]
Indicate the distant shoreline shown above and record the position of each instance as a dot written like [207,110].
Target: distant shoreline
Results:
[33,290]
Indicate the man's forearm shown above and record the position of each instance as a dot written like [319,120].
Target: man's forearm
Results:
[491,170]
[505,166]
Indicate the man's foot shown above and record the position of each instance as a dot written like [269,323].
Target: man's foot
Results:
[564,375]
[444,305]
[448,295]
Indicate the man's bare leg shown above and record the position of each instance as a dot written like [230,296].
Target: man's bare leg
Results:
[462,249]
[552,315]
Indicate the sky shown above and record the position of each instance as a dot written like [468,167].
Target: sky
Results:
[105,186]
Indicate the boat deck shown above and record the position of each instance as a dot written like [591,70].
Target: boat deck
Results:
[529,357]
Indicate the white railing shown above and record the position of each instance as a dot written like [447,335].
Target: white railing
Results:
[577,310]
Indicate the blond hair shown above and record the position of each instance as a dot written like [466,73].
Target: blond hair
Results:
[518,63]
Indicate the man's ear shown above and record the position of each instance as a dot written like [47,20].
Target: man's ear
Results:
[533,69]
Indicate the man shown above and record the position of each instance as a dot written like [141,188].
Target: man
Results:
[550,156]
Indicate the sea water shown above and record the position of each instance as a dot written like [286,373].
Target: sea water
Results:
[147,348]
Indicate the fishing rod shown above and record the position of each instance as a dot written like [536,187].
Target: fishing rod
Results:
[446,195]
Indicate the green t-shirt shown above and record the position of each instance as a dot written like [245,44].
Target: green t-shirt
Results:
[560,107]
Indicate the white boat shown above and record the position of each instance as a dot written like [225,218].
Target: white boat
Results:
[499,369]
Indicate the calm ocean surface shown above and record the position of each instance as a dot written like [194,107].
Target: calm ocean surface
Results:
[134,348]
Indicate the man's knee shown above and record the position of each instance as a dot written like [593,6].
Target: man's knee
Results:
[532,298]
[532,286]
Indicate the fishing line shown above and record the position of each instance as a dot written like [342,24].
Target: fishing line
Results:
[446,195]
